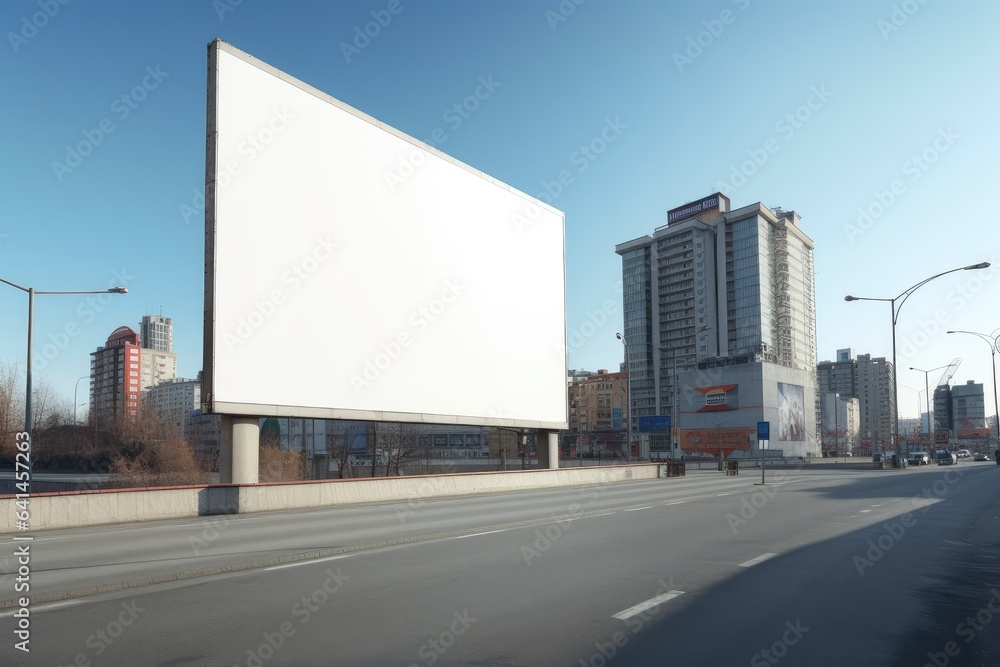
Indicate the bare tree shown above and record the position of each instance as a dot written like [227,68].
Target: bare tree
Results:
[339,449]
[11,407]
[403,448]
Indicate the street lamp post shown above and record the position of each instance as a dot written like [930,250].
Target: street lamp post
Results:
[628,390]
[675,397]
[994,342]
[927,395]
[31,292]
[895,316]
[76,389]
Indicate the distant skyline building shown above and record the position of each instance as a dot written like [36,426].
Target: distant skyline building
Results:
[841,425]
[159,363]
[114,377]
[171,402]
[598,402]
[960,416]
[876,401]
[840,376]
[942,414]
[156,367]
[720,322]
[868,379]
[157,333]
[968,412]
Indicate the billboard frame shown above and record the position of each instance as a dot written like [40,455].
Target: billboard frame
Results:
[210,402]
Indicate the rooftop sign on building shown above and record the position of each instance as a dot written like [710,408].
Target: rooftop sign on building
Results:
[717,201]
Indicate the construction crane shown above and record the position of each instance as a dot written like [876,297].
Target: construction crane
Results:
[949,372]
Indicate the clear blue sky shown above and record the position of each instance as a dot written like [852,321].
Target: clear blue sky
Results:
[885,86]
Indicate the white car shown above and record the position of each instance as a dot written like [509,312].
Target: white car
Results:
[964,454]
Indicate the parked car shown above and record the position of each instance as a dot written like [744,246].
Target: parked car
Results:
[919,458]
[981,456]
[946,458]
[963,454]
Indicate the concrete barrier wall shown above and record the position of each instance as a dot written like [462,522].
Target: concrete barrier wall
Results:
[71,509]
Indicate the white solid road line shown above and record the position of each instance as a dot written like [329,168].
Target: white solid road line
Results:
[758,559]
[648,604]
[45,606]
[636,509]
[488,532]
[308,561]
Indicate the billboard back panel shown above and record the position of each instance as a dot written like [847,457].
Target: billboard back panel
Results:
[354,272]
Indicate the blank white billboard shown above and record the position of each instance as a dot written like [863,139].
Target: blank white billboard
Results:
[355,272]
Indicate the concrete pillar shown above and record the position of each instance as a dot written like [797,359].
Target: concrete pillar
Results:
[225,449]
[547,443]
[246,449]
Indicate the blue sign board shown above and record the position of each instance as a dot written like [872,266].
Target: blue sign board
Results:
[616,417]
[763,430]
[656,424]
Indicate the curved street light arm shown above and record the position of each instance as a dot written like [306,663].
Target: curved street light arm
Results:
[906,295]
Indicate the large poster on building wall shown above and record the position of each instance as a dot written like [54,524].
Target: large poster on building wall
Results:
[791,413]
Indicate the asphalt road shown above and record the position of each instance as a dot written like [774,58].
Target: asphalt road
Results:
[821,567]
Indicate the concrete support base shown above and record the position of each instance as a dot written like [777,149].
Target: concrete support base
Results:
[547,443]
[225,449]
[244,440]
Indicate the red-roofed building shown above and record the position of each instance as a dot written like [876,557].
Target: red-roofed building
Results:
[114,377]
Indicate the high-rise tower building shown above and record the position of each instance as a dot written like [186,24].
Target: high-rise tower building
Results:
[870,380]
[159,363]
[720,328]
[157,333]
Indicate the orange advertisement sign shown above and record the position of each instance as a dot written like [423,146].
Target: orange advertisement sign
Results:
[714,441]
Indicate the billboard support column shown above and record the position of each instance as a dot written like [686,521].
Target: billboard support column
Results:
[225,449]
[246,446]
[547,444]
